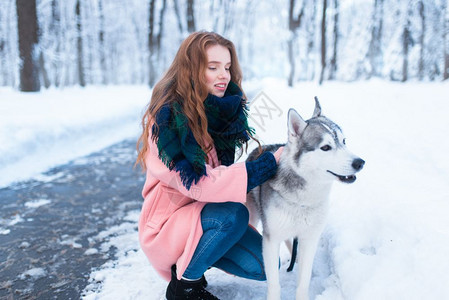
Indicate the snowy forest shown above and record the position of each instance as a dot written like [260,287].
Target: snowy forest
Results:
[60,43]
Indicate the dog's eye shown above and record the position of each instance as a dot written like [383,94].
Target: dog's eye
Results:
[344,141]
[326,148]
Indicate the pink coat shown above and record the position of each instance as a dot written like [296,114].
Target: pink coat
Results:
[170,221]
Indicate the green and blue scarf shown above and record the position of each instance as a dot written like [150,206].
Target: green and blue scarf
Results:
[227,119]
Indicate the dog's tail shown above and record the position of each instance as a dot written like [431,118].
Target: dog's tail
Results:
[294,253]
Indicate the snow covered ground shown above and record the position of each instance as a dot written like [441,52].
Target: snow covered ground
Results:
[387,235]
[41,130]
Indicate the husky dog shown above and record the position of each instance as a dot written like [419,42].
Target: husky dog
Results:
[294,203]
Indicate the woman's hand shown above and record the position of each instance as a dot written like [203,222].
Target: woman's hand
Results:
[278,153]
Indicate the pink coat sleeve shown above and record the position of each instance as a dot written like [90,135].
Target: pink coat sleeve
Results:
[222,183]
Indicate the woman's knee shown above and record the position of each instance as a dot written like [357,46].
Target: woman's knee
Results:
[237,216]
[255,273]
[228,216]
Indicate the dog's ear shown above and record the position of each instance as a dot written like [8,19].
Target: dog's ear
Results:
[317,110]
[296,124]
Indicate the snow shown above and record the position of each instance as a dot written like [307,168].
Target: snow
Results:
[34,273]
[69,241]
[42,130]
[15,220]
[387,235]
[4,231]
[37,203]
[10,222]
[91,251]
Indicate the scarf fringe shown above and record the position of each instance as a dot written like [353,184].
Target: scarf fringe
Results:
[187,174]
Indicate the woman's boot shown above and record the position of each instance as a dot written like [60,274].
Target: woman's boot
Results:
[186,289]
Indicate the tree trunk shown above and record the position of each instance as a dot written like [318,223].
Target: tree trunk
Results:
[405,38]
[190,16]
[44,70]
[155,40]
[405,45]
[55,31]
[161,28]
[10,47]
[375,46]
[178,16]
[323,41]
[421,40]
[3,69]
[151,45]
[28,49]
[102,48]
[290,42]
[291,60]
[333,62]
[294,22]
[228,16]
[446,41]
[79,45]
[310,66]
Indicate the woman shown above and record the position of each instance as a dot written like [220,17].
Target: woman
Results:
[194,217]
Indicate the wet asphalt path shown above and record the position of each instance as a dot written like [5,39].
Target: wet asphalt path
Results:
[48,224]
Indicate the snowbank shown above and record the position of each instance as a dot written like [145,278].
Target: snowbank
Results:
[42,130]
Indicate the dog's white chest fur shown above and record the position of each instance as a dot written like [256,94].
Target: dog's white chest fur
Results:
[302,214]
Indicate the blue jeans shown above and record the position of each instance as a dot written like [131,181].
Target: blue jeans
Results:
[227,243]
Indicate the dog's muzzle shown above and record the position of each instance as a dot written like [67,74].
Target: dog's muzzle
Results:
[357,164]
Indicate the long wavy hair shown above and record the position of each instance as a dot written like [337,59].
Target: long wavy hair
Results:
[184,82]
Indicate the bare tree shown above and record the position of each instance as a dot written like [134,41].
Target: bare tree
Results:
[333,62]
[161,27]
[421,40]
[310,61]
[178,16]
[294,22]
[154,39]
[101,40]
[406,42]
[446,40]
[375,47]
[151,44]
[43,70]
[190,16]
[55,31]
[79,44]
[7,57]
[323,41]
[3,68]
[223,15]
[28,45]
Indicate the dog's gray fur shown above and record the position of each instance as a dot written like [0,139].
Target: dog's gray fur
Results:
[294,203]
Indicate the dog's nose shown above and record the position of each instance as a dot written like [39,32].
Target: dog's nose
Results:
[358,164]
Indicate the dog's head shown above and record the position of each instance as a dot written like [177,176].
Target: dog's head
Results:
[318,146]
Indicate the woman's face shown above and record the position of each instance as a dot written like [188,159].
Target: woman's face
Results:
[217,71]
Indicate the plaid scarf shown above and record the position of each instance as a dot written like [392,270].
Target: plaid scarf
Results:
[227,125]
